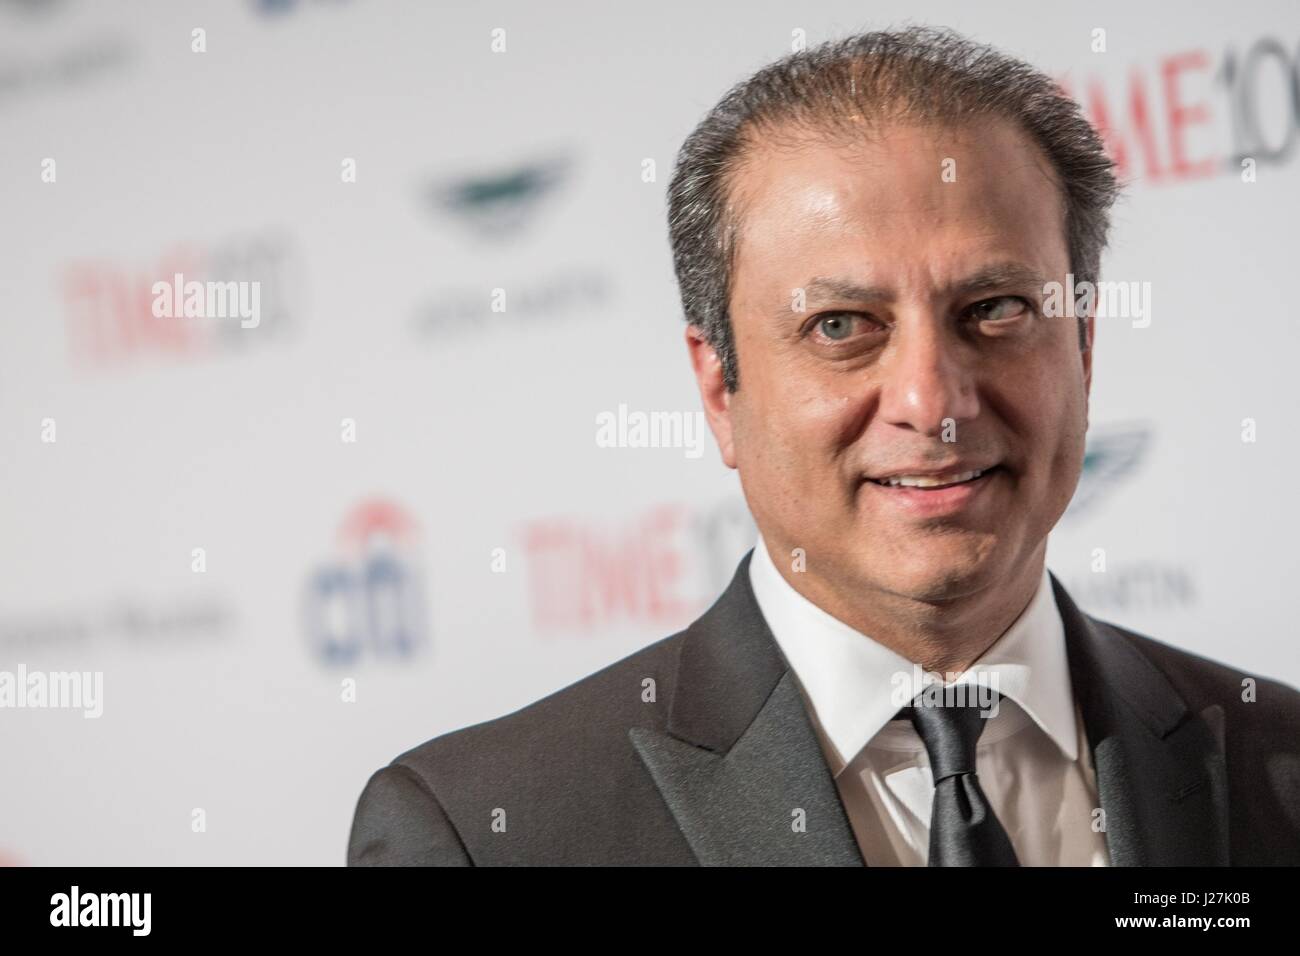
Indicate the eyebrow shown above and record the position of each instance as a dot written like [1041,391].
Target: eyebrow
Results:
[997,276]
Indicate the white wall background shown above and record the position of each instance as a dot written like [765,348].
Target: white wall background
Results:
[476,428]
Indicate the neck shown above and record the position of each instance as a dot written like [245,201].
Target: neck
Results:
[945,635]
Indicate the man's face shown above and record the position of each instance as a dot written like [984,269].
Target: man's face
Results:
[920,343]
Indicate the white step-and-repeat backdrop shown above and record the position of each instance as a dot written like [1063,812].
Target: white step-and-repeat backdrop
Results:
[370,505]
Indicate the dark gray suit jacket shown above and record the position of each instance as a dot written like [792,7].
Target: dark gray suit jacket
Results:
[712,771]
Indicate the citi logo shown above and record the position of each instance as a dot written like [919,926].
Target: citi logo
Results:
[369,600]
[102,909]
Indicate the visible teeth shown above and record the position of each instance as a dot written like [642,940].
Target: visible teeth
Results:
[929,481]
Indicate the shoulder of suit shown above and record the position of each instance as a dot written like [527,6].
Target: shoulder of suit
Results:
[1203,681]
[594,711]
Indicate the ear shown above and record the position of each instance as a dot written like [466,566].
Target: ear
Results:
[713,392]
[1091,325]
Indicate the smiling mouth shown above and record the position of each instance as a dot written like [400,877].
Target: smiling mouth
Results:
[923,483]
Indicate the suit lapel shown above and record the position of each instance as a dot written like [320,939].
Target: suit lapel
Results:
[1161,772]
[740,767]
[740,762]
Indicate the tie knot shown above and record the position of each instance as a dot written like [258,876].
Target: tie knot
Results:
[950,732]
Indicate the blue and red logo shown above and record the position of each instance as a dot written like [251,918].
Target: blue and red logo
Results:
[369,601]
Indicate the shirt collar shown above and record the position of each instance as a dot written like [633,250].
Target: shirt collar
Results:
[850,679]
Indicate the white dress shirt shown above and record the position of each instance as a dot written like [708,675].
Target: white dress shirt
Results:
[1032,761]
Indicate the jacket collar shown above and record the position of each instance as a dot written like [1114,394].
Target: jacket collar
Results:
[743,773]
[1161,772]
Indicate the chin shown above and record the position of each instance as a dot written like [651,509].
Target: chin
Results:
[941,580]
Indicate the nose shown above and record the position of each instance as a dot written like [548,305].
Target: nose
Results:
[927,377]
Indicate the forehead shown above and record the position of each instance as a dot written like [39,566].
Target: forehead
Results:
[906,202]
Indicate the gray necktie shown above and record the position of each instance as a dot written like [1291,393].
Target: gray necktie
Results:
[964,830]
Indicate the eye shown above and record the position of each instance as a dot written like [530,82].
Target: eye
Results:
[999,307]
[836,326]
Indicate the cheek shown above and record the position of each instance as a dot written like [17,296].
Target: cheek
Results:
[787,439]
[1055,424]
[835,423]
[789,408]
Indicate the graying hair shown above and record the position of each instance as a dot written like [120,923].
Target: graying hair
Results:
[915,74]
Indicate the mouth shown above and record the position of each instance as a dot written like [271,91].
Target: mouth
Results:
[935,482]
[938,497]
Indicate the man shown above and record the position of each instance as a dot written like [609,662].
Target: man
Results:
[865,236]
